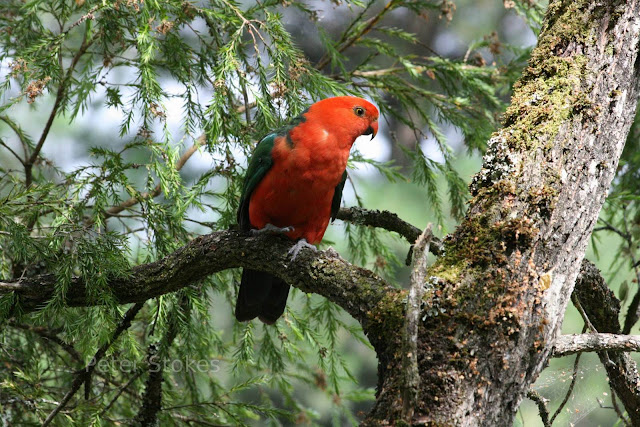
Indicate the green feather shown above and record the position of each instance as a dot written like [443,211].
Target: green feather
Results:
[259,165]
[337,196]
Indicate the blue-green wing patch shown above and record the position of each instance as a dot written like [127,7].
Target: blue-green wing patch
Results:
[259,165]
[337,197]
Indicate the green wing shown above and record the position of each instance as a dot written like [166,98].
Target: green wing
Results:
[337,197]
[259,165]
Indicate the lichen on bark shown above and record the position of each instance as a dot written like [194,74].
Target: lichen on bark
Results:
[502,285]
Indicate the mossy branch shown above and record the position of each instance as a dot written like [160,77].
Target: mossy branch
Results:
[390,222]
[355,289]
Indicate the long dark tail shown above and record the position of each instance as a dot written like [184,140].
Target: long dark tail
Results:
[261,295]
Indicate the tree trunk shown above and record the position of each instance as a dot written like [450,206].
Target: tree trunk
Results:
[496,298]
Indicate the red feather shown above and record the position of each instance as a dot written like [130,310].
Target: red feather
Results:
[298,189]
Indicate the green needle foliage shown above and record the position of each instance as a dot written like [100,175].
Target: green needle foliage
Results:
[237,72]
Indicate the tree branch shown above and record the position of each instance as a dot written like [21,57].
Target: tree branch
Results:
[541,403]
[355,289]
[390,222]
[370,23]
[121,390]
[2,143]
[115,210]
[578,343]
[387,220]
[50,336]
[603,309]
[574,378]
[411,375]
[24,139]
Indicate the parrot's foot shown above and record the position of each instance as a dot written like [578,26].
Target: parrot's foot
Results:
[300,244]
[272,229]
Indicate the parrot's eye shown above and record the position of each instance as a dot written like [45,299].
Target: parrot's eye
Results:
[359,111]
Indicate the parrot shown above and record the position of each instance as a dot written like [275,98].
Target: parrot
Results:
[293,185]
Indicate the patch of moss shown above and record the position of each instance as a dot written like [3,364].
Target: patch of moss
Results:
[551,90]
[548,99]
[447,272]
[387,317]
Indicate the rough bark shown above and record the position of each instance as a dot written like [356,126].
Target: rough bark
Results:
[565,345]
[498,295]
[410,368]
[359,291]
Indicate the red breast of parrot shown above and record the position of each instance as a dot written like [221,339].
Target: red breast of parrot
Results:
[295,179]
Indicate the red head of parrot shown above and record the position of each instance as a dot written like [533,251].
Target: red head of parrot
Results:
[345,117]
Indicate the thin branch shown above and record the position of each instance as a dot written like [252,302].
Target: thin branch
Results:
[584,316]
[12,152]
[24,139]
[411,377]
[394,70]
[89,15]
[49,335]
[356,20]
[9,148]
[588,325]
[120,391]
[574,379]
[190,420]
[6,287]
[200,141]
[348,42]
[541,402]
[389,221]
[85,374]
[578,343]
[29,162]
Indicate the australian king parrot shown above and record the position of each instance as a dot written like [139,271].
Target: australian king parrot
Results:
[294,184]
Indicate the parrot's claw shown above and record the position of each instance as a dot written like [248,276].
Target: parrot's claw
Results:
[300,244]
[272,229]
